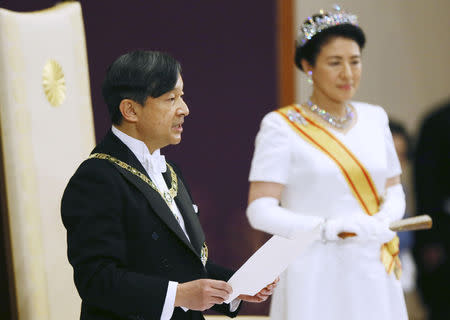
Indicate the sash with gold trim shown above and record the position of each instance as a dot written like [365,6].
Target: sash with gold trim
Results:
[358,178]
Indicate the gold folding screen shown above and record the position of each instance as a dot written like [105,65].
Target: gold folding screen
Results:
[46,130]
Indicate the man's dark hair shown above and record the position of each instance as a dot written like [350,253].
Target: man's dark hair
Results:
[138,75]
[311,49]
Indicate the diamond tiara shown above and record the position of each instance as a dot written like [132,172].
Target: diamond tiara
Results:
[322,21]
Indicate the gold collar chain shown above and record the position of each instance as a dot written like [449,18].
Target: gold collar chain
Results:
[167,196]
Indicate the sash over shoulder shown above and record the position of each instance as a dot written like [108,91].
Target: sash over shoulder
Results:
[357,176]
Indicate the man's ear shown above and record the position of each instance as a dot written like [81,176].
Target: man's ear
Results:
[127,108]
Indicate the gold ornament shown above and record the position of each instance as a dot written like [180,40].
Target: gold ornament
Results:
[54,83]
[204,253]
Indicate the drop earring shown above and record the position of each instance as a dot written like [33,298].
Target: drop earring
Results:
[309,77]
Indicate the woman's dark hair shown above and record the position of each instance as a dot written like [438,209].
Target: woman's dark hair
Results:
[311,49]
[138,75]
[398,129]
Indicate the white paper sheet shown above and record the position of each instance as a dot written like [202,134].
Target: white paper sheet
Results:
[266,264]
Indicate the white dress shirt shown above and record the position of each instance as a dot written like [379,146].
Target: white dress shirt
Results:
[155,165]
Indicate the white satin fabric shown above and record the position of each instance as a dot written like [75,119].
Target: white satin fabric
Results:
[342,279]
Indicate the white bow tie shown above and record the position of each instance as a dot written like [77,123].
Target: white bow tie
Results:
[155,163]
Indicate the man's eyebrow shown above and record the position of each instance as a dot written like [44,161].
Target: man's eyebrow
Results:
[340,57]
[334,57]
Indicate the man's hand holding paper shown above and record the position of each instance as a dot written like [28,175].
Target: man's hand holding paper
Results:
[262,295]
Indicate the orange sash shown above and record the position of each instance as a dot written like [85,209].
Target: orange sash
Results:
[357,177]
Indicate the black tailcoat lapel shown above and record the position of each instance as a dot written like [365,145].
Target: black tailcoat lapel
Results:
[114,147]
[191,221]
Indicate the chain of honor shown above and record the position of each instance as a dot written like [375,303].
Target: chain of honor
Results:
[167,196]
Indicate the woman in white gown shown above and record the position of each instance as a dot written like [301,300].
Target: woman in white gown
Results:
[330,165]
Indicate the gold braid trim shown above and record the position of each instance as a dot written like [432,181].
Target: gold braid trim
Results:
[167,196]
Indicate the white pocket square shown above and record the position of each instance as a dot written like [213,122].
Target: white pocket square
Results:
[195,208]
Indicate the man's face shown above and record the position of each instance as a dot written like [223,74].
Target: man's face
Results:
[160,119]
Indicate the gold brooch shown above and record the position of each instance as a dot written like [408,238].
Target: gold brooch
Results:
[54,83]
[204,253]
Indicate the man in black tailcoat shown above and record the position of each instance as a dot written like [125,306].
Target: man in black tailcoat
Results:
[134,238]
[432,185]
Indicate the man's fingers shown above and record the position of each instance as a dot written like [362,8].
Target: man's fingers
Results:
[261,297]
[220,294]
[216,291]
[215,300]
[248,298]
[221,285]
[201,294]
[266,292]
[256,298]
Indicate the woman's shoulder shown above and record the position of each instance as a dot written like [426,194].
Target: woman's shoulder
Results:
[273,123]
[366,106]
[273,119]
[273,115]
[371,110]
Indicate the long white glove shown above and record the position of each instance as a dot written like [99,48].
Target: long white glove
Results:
[265,214]
[394,205]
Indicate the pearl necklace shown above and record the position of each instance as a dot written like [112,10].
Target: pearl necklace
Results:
[337,122]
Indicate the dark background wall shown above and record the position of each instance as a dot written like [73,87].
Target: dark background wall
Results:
[228,54]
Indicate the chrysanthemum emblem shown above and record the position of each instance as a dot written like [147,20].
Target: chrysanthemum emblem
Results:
[54,83]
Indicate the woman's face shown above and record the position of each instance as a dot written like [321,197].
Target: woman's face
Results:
[337,71]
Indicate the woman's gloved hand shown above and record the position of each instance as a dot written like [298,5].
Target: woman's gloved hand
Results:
[332,227]
[362,228]
[373,229]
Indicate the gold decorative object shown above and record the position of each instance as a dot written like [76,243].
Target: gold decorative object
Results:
[54,83]
[167,196]
[204,253]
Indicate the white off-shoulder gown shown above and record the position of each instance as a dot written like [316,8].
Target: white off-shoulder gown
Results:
[333,280]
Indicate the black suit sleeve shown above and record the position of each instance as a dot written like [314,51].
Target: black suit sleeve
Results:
[432,247]
[92,207]
[432,174]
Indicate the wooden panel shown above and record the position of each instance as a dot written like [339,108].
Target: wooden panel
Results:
[285,44]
